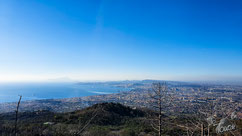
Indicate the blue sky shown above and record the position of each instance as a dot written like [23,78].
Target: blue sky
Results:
[120,39]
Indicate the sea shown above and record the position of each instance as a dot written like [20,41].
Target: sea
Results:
[10,92]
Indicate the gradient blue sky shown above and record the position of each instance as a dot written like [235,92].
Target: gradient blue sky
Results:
[120,39]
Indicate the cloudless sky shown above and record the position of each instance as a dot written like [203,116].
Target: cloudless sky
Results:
[120,39]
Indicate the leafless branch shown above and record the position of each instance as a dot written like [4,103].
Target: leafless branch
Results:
[16,118]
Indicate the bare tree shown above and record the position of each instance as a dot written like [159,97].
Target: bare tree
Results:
[16,118]
[160,99]
[206,115]
[200,115]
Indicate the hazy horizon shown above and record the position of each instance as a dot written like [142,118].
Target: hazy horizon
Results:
[68,80]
